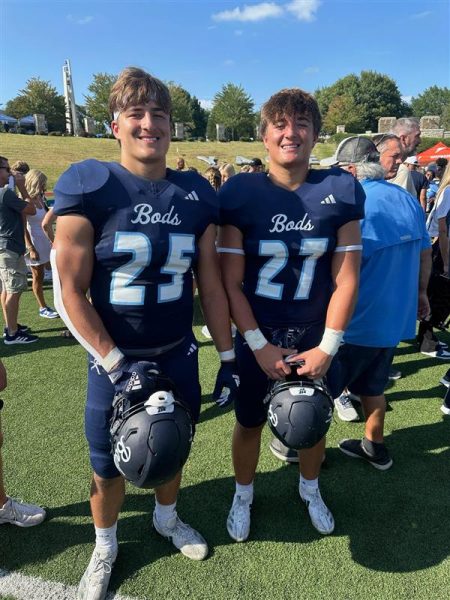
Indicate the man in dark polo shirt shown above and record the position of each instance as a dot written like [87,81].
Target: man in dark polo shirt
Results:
[13,272]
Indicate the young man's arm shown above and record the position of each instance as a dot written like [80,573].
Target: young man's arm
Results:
[345,271]
[72,262]
[270,358]
[212,294]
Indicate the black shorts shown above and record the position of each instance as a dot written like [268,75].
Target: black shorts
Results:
[363,369]
[250,409]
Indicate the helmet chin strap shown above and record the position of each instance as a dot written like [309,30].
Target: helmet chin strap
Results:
[160,402]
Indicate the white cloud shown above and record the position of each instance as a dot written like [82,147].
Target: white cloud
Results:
[256,12]
[229,62]
[311,70]
[304,10]
[407,99]
[80,21]
[422,15]
[206,104]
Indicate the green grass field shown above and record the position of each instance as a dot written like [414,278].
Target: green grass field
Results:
[392,535]
[53,155]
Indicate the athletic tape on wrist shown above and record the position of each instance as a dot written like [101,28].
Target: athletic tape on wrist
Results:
[255,339]
[227,355]
[112,359]
[331,340]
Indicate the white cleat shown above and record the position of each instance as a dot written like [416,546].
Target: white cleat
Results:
[320,515]
[95,581]
[186,539]
[238,521]
[17,512]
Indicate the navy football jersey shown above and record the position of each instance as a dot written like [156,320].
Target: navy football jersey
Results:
[289,239]
[145,246]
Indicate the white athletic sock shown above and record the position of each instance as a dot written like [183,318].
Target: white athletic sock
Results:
[164,512]
[106,537]
[308,486]
[245,491]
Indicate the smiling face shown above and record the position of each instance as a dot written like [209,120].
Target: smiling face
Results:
[289,141]
[144,135]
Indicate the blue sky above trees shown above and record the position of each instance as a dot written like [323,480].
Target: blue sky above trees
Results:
[203,44]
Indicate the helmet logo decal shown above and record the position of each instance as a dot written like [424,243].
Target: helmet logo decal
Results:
[122,452]
[273,417]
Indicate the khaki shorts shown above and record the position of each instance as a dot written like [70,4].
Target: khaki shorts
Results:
[13,272]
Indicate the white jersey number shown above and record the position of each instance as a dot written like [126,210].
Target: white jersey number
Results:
[312,249]
[122,290]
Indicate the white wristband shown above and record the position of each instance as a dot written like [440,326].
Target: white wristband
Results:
[331,340]
[227,355]
[113,357]
[255,339]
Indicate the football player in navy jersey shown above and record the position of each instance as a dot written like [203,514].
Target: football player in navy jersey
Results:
[290,245]
[132,234]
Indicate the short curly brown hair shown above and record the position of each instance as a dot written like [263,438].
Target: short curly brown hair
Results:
[290,101]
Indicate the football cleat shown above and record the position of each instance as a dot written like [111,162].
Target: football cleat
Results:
[238,521]
[186,539]
[17,512]
[95,581]
[321,518]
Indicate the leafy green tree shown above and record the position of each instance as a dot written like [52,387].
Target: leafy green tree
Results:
[181,104]
[42,98]
[445,118]
[98,98]
[376,95]
[233,107]
[343,110]
[199,118]
[211,132]
[433,101]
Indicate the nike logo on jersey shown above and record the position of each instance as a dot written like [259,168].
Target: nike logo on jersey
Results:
[145,215]
[192,196]
[329,200]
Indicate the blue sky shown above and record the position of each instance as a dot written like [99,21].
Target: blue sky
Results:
[202,45]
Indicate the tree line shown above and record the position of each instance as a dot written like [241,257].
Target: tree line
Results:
[356,101]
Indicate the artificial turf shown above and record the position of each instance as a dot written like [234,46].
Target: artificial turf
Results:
[392,529]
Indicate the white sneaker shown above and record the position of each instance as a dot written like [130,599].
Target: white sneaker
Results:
[238,521]
[321,517]
[188,541]
[440,352]
[95,581]
[20,513]
[345,409]
[445,409]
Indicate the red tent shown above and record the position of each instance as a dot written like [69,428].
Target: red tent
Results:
[440,150]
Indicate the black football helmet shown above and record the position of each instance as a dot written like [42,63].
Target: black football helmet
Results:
[151,428]
[299,411]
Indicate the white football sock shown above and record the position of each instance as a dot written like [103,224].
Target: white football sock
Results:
[308,486]
[106,537]
[245,491]
[164,512]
